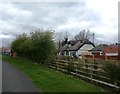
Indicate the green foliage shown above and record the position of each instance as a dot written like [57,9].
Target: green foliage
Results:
[17,43]
[68,58]
[70,67]
[95,66]
[38,46]
[113,70]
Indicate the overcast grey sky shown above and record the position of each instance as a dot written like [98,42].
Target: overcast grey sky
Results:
[99,16]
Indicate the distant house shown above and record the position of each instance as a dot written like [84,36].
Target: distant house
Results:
[112,52]
[6,50]
[98,51]
[76,48]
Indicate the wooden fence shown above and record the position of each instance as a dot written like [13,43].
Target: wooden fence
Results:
[92,72]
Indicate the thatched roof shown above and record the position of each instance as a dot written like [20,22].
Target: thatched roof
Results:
[75,45]
[79,44]
[64,48]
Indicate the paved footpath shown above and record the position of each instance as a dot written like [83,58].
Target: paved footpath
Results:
[13,80]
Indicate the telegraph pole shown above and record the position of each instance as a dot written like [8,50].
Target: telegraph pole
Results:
[93,37]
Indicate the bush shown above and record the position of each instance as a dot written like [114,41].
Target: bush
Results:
[113,71]
[95,66]
[38,46]
[70,67]
[68,58]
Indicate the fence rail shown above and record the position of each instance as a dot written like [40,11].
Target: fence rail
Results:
[92,72]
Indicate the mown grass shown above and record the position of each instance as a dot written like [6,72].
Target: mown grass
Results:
[49,80]
[0,57]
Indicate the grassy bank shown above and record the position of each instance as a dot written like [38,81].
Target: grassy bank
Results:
[0,57]
[49,80]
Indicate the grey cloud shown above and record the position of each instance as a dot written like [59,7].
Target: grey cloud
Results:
[28,16]
[37,5]
[6,41]
[100,38]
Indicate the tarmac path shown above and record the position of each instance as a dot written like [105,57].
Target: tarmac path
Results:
[13,80]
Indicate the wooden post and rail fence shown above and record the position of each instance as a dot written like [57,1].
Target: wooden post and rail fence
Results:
[92,72]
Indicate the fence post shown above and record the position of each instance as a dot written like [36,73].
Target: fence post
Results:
[91,74]
[92,66]
[56,65]
[76,63]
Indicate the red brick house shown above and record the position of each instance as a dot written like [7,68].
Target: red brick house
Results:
[98,51]
[112,52]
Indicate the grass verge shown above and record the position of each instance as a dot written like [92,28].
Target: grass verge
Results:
[49,80]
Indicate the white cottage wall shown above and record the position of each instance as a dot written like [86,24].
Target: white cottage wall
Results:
[84,49]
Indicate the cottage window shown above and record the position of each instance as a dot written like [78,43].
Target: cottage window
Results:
[71,53]
[101,53]
[62,53]
[67,53]
[74,54]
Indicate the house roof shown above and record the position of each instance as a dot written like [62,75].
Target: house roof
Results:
[75,45]
[72,42]
[99,47]
[118,45]
[79,44]
[65,47]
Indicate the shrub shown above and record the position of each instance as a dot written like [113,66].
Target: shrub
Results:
[113,70]
[38,46]
[95,66]
[70,67]
[68,58]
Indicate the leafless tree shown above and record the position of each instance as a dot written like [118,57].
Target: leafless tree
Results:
[84,34]
[61,38]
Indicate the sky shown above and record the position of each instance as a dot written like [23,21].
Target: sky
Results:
[99,16]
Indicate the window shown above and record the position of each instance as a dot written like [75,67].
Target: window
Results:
[67,53]
[101,53]
[62,53]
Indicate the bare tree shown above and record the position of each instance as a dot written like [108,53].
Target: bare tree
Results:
[61,38]
[84,34]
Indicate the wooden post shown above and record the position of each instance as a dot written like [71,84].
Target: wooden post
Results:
[14,54]
[92,66]
[93,58]
[76,64]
